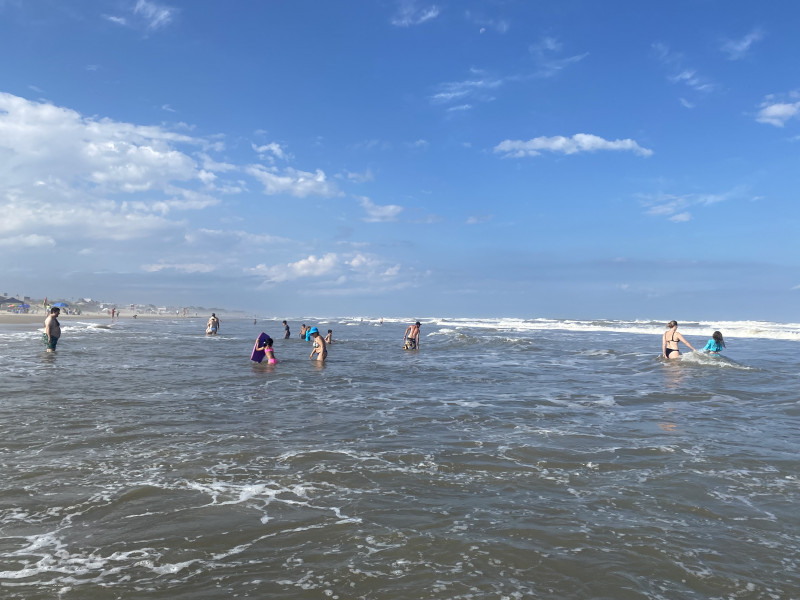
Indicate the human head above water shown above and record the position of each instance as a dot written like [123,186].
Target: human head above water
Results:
[672,324]
[418,323]
[314,331]
[55,310]
[717,337]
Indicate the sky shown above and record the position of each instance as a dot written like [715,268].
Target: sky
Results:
[496,158]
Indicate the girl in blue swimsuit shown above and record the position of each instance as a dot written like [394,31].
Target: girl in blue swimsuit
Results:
[715,344]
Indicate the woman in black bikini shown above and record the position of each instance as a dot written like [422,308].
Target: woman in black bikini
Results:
[670,339]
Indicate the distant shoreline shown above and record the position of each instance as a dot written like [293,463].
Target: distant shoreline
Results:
[22,319]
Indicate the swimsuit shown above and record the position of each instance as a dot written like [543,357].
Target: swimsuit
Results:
[668,351]
[713,346]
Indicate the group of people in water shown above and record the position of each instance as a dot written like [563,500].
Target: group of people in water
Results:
[319,351]
[671,337]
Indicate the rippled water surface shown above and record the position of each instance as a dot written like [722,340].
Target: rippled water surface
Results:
[146,460]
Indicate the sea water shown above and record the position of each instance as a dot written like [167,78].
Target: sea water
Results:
[504,459]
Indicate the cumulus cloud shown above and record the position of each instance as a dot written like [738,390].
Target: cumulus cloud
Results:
[580,142]
[335,268]
[292,181]
[93,177]
[738,49]
[377,213]
[775,110]
[271,151]
[411,13]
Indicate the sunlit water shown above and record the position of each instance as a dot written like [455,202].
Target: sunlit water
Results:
[501,460]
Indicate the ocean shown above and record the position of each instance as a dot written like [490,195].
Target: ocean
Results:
[505,459]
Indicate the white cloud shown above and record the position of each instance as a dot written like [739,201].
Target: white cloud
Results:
[777,111]
[679,73]
[411,13]
[360,177]
[180,267]
[476,89]
[675,207]
[32,240]
[354,269]
[580,142]
[380,214]
[155,15]
[478,219]
[311,266]
[292,181]
[738,49]
[271,151]
[546,55]
[74,176]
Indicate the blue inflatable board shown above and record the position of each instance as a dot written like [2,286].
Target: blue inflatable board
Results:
[258,355]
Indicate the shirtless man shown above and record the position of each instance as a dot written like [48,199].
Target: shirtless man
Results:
[320,349]
[329,337]
[411,336]
[52,329]
[213,325]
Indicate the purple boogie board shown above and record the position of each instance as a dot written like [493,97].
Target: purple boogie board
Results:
[258,355]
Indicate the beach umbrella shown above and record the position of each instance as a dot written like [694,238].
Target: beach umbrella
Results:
[26,306]
[60,304]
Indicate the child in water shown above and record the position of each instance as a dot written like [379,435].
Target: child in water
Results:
[715,344]
[268,351]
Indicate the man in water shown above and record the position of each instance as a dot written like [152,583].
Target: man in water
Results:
[213,325]
[286,330]
[52,329]
[411,337]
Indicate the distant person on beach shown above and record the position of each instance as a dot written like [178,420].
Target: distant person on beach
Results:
[715,344]
[411,337]
[303,331]
[670,339]
[287,333]
[320,349]
[52,329]
[268,351]
[213,325]
[329,337]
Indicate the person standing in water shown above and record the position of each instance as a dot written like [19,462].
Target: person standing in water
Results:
[670,339]
[287,333]
[52,329]
[213,325]
[320,349]
[411,337]
[715,344]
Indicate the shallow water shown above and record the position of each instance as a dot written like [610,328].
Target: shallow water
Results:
[147,460]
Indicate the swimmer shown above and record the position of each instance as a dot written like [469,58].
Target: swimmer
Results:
[670,339]
[715,344]
[287,333]
[411,337]
[329,337]
[268,351]
[320,348]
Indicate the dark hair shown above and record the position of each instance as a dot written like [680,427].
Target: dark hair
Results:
[418,323]
[330,330]
[55,309]
[672,324]
[268,341]
[717,337]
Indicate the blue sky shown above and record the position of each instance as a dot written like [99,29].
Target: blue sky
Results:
[391,157]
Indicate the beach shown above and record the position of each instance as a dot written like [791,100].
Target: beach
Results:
[506,458]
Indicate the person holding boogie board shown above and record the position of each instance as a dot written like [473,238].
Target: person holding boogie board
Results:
[263,348]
